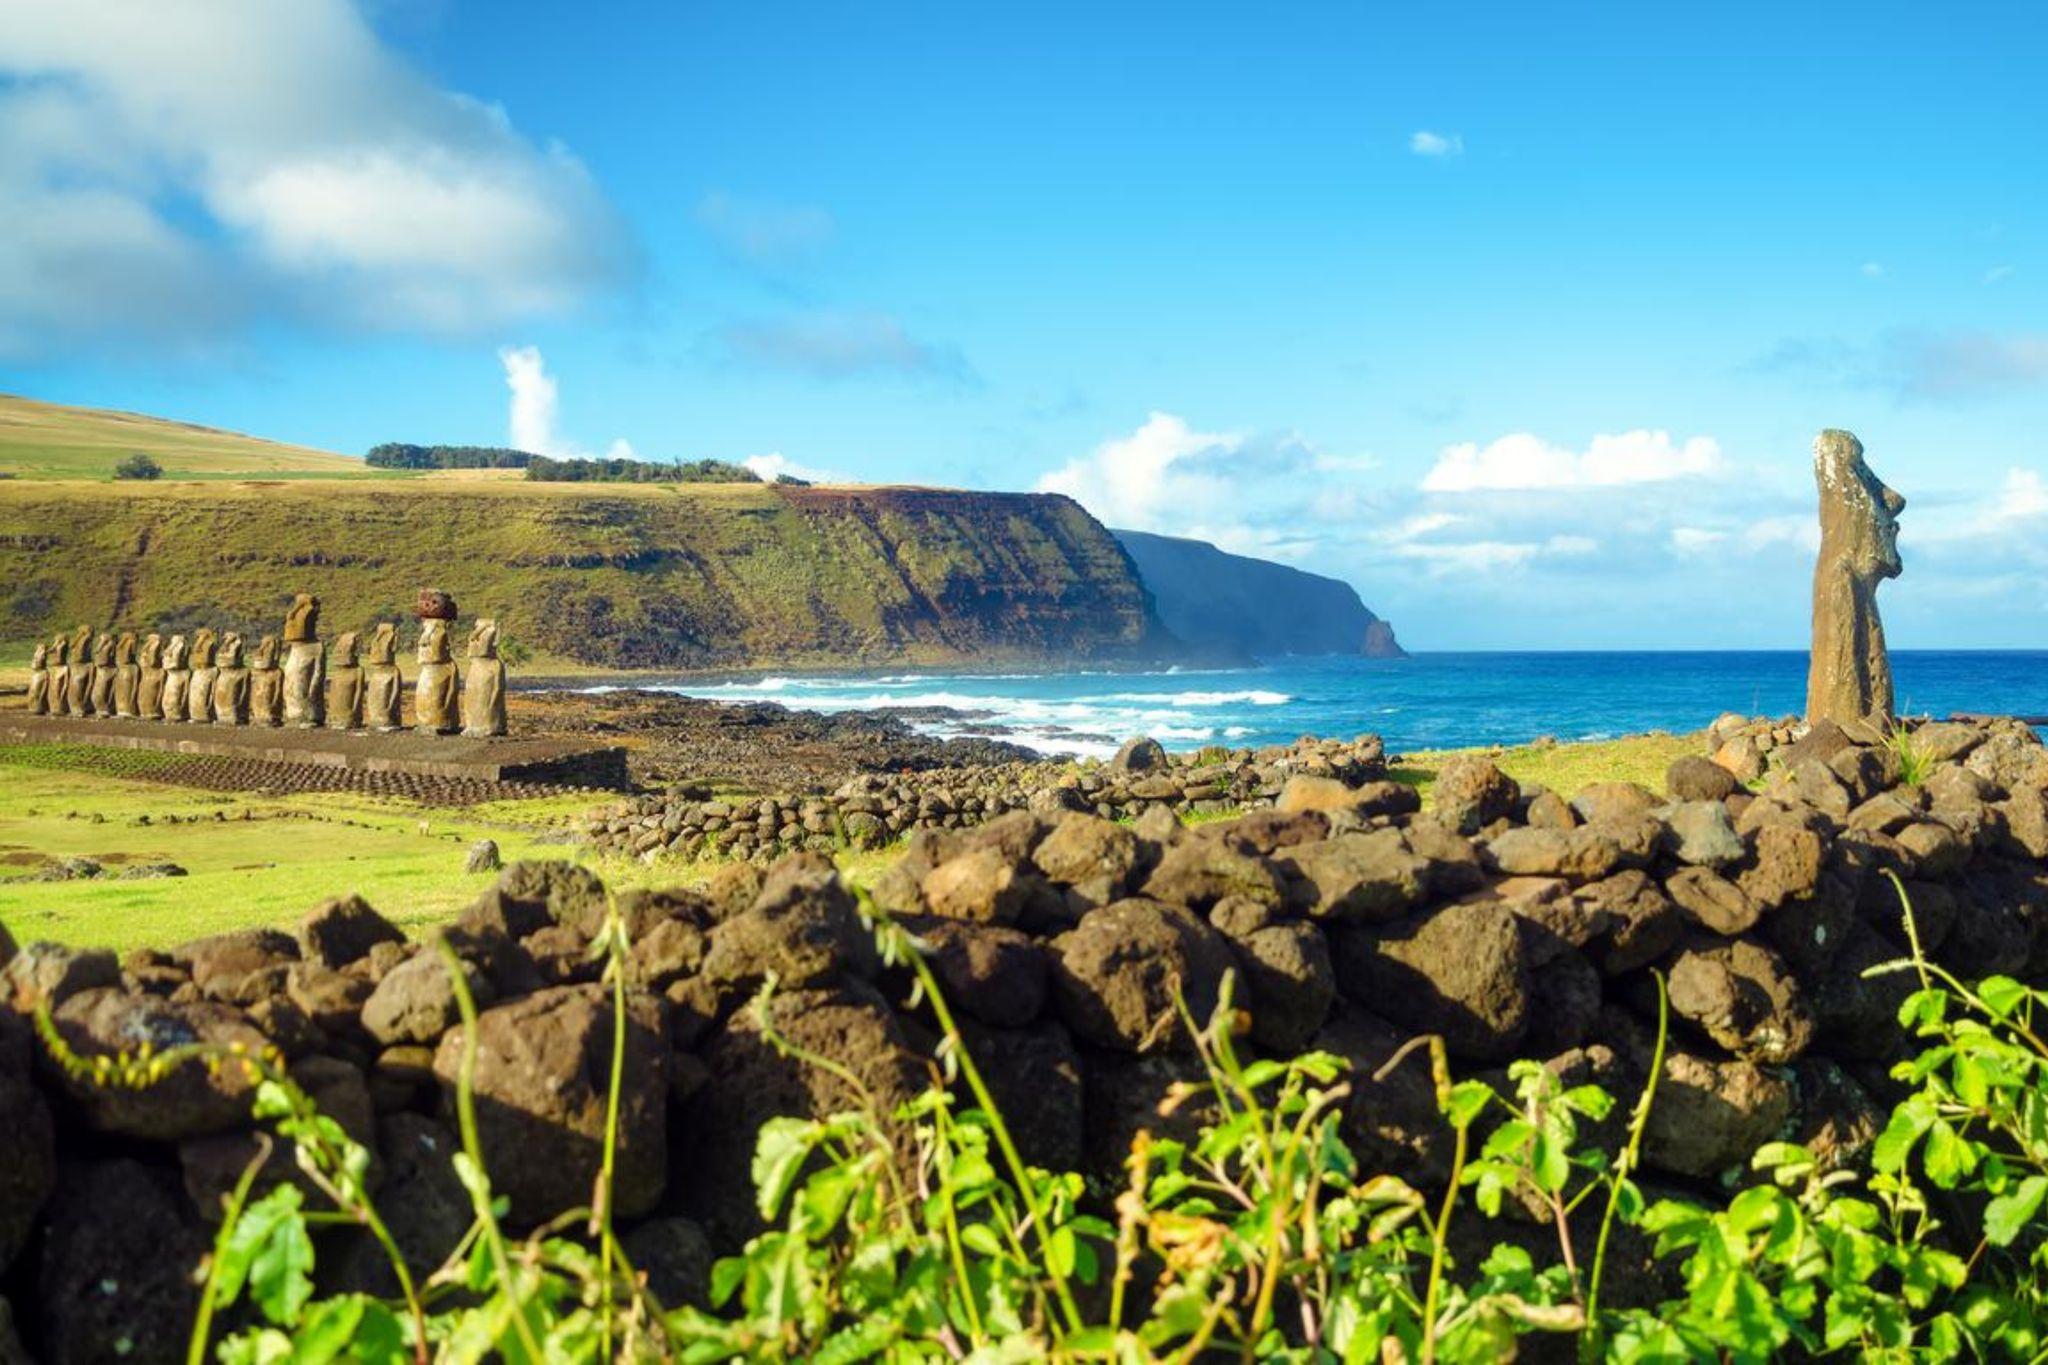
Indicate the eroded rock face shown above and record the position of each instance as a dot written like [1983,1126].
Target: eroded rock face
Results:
[1461,970]
[1850,676]
[1116,974]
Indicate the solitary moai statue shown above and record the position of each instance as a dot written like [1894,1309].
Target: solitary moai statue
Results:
[383,688]
[305,678]
[1849,677]
[127,676]
[344,685]
[266,684]
[39,680]
[199,694]
[483,685]
[103,675]
[231,684]
[435,690]
[177,677]
[78,677]
[149,681]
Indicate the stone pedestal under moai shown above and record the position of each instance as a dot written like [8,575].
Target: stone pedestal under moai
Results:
[436,691]
[149,679]
[39,680]
[127,676]
[305,680]
[177,677]
[266,685]
[483,686]
[231,684]
[199,694]
[383,689]
[1849,676]
[103,675]
[344,685]
[78,676]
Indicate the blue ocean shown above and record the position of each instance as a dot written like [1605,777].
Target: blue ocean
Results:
[1429,701]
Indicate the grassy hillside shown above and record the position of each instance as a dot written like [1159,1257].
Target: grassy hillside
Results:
[50,441]
[619,576]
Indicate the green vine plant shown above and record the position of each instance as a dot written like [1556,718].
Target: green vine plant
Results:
[921,1234]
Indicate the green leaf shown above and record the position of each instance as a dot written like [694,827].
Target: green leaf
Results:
[780,1151]
[2002,995]
[2008,1215]
[1467,1100]
[269,1251]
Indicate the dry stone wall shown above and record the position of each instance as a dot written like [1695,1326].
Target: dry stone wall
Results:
[1511,922]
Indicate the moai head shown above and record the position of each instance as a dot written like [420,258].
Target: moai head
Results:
[124,650]
[302,622]
[433,647]
[39,657]
[483,639]
[60,648]
[81,645]
[265,655]
[384,643]
[153,651]
[231,650]
[1859,515]
[103,651]
[342,653]
[176,652]
[203,647]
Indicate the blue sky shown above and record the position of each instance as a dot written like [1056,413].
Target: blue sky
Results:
[1520,318]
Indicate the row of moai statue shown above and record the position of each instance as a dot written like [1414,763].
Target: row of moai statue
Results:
[301,683]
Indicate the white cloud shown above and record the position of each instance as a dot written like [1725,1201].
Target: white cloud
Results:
[1695,540]
[775,464]
[763,235]
[1525,461]
[270,157]
[1426,143]
[531,418]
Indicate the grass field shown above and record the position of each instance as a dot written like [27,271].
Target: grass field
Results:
[50,441]
[260,860]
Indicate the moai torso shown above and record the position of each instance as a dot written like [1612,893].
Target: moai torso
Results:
[304,671]
[231,684]
[483,687]
[266,684]
[149,680]
[103,669]
[434,694]
[127,676]
[344,685]
[177,677]
[39,680]
[199,693]
[382,687]
[78,677]
[1849,674]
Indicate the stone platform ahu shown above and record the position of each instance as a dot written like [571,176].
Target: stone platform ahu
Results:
[296,701]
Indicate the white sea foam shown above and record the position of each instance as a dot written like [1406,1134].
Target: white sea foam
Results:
[1250,698]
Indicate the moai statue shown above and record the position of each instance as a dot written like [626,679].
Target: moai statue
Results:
[149,682]
[231,684]
[39,680]
[58,662]
[103,675]
[127,676]
[1849,676]
[177,677]
[199,694]
[266,685]
[344,685]
[434,694]
[483,686]
[383,688]
[78,677]
[304,672]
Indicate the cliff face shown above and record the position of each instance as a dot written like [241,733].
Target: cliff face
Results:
[1224,604]
[624,577]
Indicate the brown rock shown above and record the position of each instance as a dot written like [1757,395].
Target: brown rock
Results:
[1614,802]
[117,1278]
[1585,854]
[1471,793]
[982,886]
[1850,676]
[1288,984]
[193,1099]
[340,931]
[1368,877]
[1712,900]
[1643,923]
[1199,872]
[1693,778]
[1461,971]
[416,1002]
[1740,995]
[1117,973]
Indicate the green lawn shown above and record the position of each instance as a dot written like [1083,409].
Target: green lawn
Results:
[51,441]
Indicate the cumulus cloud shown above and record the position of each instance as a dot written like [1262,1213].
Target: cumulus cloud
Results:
[1525,461]
[535,406]
[1427,143]
[774,465]
[174,168]
[773,237]
[831,344]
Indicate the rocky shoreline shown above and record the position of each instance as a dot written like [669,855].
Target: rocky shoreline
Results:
[1510,922]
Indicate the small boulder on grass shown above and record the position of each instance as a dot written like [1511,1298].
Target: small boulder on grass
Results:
[483,857]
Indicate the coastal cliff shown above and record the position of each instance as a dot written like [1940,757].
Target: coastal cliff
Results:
[1226,605]
[625,576]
